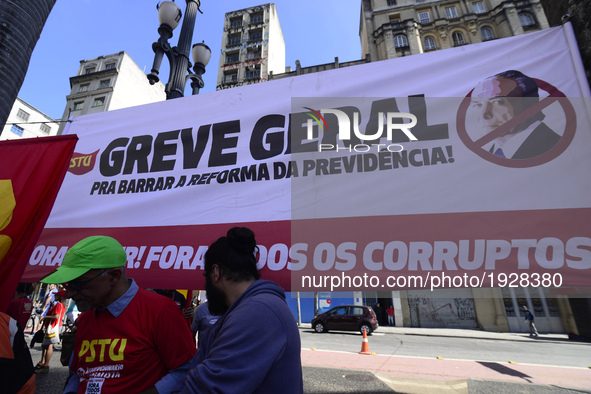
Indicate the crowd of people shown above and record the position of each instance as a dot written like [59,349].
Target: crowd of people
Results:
[130,339]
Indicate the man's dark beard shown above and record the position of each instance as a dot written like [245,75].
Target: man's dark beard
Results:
[216,299]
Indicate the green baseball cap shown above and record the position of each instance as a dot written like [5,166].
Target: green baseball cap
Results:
[96,252]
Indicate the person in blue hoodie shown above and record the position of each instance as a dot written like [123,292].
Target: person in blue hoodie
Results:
[254,347]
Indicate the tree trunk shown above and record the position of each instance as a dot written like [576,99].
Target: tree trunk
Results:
[21,22]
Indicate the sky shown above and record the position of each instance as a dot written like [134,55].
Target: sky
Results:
[315,32]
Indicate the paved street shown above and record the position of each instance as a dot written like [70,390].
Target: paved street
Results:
[517,348]
[53,381]
[406,361]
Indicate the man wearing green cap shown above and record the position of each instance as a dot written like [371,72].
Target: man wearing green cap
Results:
[129,339]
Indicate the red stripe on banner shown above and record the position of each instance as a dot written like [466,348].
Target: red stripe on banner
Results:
[539,248]
[159,257]
[488,248]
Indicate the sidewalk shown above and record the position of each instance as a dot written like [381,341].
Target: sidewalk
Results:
[416,375]
[468,333]
[419,375]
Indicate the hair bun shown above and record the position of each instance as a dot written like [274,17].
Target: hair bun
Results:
[242,239]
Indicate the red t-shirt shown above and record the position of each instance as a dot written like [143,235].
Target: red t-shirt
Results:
[131,352]
[20,310]
[58,309]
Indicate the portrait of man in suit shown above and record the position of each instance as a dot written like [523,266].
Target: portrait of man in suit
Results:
[497,103]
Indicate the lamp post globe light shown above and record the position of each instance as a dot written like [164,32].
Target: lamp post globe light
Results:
[170,15]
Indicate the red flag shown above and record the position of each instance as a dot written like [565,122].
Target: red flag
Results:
[31,173]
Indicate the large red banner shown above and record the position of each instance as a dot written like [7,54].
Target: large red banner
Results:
[31,173]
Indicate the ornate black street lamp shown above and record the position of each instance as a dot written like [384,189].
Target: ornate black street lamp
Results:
[170,15]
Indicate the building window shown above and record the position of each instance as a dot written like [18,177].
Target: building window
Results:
[430,44]
[233,57]
[424,17]
[17,130]
[458,38]
[391,2]
[83,88]
[78,105]
[256,35]
[89,70]
[109,66]
[45,128]
[526,20]
[22,115]
[253,73]
[451,12]
[105,83]
[254,54]
[235,22]
[487,34]
[478,7]
[234,39]
[256,18]
[231,77]
[394,18]
[99,101]
[400,41]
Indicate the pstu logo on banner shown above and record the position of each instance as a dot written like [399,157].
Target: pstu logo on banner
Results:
[82,163]
[344,129]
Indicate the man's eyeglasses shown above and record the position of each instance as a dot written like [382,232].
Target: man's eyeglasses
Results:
[81,284]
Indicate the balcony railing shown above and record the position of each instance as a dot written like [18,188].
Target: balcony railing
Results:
[232,59]
[253,55]
[231,78]
[253,74]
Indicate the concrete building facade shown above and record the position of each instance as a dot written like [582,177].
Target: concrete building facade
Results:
[252,47]
[26,121]
[107,83]
[396,28]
